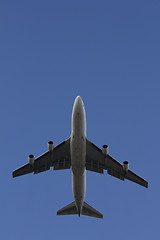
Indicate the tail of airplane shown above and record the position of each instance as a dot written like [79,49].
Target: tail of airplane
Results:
[90,211]
[86,210]
[68,210]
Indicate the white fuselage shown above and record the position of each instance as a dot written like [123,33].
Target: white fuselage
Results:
[78,153]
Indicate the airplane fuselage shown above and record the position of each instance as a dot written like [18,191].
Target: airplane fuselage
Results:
[78,153]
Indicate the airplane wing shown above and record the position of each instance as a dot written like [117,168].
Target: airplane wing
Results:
[59,158]
[97,162]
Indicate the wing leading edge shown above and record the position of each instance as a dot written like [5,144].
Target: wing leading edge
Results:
[96,161]
[59,158]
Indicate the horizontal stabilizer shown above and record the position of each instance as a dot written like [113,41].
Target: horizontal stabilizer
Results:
[86,210]
[90,211]
[68,210]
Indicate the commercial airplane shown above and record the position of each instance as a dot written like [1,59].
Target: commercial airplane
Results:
[78,153]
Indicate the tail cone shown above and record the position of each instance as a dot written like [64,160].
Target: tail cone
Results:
[79,213]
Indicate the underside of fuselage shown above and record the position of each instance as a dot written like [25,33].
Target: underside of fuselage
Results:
[78,153]
[78,158]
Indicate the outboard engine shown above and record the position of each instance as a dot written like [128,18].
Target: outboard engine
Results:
[125,166]
[31,159]
[105,150]
[50,146]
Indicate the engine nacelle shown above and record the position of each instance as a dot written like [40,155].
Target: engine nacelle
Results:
[125,166]
[105,149]
[50,146]
[31,159]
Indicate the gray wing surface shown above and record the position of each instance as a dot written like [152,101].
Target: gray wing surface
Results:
[59,159]
[97,162]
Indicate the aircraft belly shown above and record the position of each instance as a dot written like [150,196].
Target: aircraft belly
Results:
[78,153]
[79,187]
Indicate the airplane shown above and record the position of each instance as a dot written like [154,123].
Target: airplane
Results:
[79,154]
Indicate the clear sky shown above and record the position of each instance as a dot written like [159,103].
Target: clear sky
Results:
[108,52]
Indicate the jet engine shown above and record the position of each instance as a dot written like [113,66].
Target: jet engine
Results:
[105,149]
[50,146]
[31,159]
[125,166]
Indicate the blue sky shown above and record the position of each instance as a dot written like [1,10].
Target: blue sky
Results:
[108,52]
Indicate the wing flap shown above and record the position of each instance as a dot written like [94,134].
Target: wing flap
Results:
[43,162]
[93,165]
[115,173]
[62,164]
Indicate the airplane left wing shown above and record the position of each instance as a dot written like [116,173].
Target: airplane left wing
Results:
[96,161]
[59,158]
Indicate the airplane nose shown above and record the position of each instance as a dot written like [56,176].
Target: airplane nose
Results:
[78,100]
[78,116]
[78,104]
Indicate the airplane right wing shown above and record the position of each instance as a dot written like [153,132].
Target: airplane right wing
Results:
[96,161]
[59,158]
